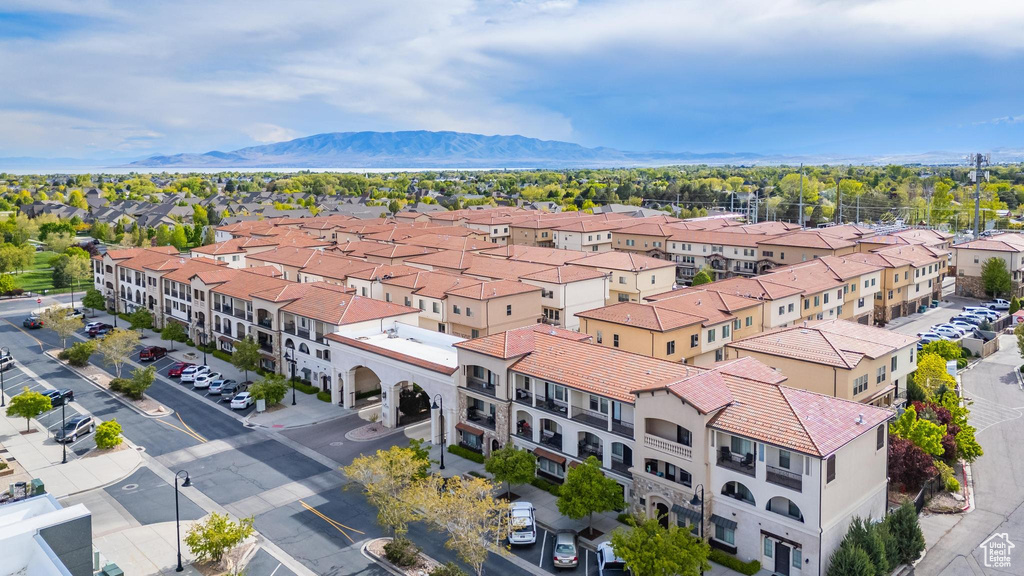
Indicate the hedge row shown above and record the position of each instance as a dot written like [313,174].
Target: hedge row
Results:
[733,563]
[467,454]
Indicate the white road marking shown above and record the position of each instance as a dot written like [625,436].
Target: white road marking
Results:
[276,569]
[543,543]
[87,437]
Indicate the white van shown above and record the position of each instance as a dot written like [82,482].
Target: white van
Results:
[522,528]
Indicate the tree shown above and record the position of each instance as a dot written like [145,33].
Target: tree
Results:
[906,532]
[178,239]
[28,405]
[141,380]
[1018,331]
[246,355]
[78,354]
[163,235]
[995,277]
[868,537]
[924,434]
[1014,305]
[967,446]
[210,236]
[174,331]
[59,241]
[108,435]
[466,509]
[511,466]
[7,284]
[76,269]
[931,373]
[94,300]
[271,389]
[850,560]
[587,490]
[210,539]
[387,478]
[650,550]
[702,277]
[140,319]
[61,322]
[117,346]
[944,348]
[909,466]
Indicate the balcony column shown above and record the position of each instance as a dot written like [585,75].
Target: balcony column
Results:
[533,394]
[568,402]
[611,410]
[335,387]
[349,388]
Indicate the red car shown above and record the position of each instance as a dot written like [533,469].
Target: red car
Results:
[152,353]
[177,367]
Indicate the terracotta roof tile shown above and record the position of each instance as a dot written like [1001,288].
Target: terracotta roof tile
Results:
[493,289]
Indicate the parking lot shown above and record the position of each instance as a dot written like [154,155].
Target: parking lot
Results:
[164,364]
[541,555]
[15,381]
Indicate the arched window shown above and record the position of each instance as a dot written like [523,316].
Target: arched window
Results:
[303,348]
[289,344]
[739,492]
[785,507]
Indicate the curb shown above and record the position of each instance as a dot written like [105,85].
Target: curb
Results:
[276,427]
[968,487]
[141,463]
[107,391]
[383,563]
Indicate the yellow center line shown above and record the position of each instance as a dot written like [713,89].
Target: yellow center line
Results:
[197,434]
[337,525]
[182,430]
[38,341]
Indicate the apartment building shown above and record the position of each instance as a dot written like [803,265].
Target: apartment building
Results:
[520,253]
[911,277]
[631,277]
[566,291]
[834,287]
[428,292]
[836,357]
[970,257]
[781,304]
[495,226]
[586,235]
[909,237]
[802,246]
[233,252]
[492,307]
[119,275]
[725,253]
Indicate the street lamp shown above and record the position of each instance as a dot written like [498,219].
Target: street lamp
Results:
[113,297]
[693,502]
[202,344]
[4,352]
[289,356]
[64,439]
[177,517]
[439,400]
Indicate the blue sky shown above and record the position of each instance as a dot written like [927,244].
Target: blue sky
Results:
[97,78]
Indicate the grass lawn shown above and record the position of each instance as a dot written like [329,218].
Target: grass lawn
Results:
[40,277]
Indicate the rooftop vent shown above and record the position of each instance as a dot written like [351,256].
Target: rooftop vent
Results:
[860,418]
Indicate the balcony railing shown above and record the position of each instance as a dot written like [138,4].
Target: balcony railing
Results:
[668,446]
[546,404]
[552,440]
[620,467]
[266,322]
[289,327]
[302,333]
[599,420]
[594,450]
[480,418]
[742,463]
[266,346]
[784,477]
[480,386]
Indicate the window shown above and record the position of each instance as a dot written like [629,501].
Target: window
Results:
[789,308]
[387,296]
[817,300]
[670,347]
[797,558]
[893,364]
[784,459]
[615,340]
[456,309]
[826,298]
[423,305]
[652,278]
[711,335]
[725,331]
[749,322]
[469,311]
[683,436]
[860,302]
[475,333]
[723,534]
[782,310]
[694,340]
[436,307]
[622,279]
[860,384]
[623,297]
[769,547]
[549,467]
[408,301]
[830,469]
[880,377]
[600,337]
[880,437]
[737,324]
[807,303]
[598,404]
[508,310]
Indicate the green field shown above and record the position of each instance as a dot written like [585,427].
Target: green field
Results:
[40,277]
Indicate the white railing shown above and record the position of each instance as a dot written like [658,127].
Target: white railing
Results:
[668,446]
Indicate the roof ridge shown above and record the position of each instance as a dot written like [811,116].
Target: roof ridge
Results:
[827,336]
[810,437]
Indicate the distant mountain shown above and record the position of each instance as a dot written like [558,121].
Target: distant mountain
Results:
[423,149]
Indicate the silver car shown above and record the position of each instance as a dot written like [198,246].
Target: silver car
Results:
[566,551]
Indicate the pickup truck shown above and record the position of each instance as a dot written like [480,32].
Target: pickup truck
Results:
[997,304]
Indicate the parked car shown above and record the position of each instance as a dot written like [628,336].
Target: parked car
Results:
[241,401]
[997,304]
[969,318]
[177,368]
[60,396]
[927,338]
[76,313]
[6,362]
[217,386]
[522,529]
[607,562]
[231,388]
[189,374]
[100,329]
[566,550]
[205,379]
[75,427]
[964,325]
[982,311]
[947,331]
[959,329]
[33,322]
[92,325]
[152,353]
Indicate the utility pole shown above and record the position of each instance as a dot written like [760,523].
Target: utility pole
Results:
[801,221]
[978,160]
[858,209]
[839,201]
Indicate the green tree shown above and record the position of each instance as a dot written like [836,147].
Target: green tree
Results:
[108,435]
[995,277]
[246,355]
[76,269]
[163,235]
[388,477]
[651,550]
[587,490]
[850,560]
[394,207]
[210,539]
[7,284]
[271,389]
[174,332]
[28,405]
[141,380]
[702,277]
[511,466]
[59,241]
[178,239]
[944,348]
[1014,305]
[94,300]
[140,319]
[931,374]
[869,537]
[100,231]
[906,532]
[117,346]
[924,434]
[61,322]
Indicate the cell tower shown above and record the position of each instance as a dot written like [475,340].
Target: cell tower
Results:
[978,160]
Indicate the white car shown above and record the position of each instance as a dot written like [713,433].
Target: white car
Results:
[6,363]
[204,380]
[967,327]
[189,374]
[521,526]
[92,325]
[947,332]
[241,401]
[982,311]
[998,304]
[607,562]
[927,338]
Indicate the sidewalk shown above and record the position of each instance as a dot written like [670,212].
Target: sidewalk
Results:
[40,456]
[148,549]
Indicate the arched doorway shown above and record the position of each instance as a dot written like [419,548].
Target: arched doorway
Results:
[662,512]
[413,403]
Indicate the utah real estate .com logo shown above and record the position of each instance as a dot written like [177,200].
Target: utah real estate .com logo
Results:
[997,549]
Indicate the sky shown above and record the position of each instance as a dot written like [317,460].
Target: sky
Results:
[104,78]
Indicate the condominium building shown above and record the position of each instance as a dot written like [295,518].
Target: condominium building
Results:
[631,277]
[970,258]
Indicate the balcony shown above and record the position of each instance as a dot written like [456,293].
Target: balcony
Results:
[551,440]
[266,346]
[480,418]
[240,313]
[302,333]
[783,477]
[289,327]
[668,446]
[621,467]
[480,387]
[585,450]
[742,463]
[599,420]
[266,322]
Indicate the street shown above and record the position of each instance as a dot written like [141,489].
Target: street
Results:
[290,482]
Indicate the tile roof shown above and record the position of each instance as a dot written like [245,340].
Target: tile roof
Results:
[382,271]
[615,260]
[517,342]
[297,257]
[339,309]
[837,343]
[646,316]
[493,289]
[432,284]
[334,267]
[451,259]
[564,274]
[552,256]
[809,239]
[496,268]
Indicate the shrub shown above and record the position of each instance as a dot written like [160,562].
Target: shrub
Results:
[189,342]
[324,396]
[549,487]
[271,389]
[305,388]
[466,453]
[909,466]
[78,354]
[449,569]
[733,563]
[402,552]
[222,355]
[961,363]
[209,540]
[119,384]
[627,519]
[108,435]
[965,353]
[367,394]
[850,560]
[905,530]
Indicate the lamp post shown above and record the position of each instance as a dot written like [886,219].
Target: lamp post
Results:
[439,400]
[113,298]
[63,423]
[177,516]
[289,356]
[4,352]
[202,344]
[693,502]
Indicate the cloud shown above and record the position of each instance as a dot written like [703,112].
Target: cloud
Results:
[270,133]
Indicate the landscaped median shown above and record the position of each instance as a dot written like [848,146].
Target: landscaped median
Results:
[102,379]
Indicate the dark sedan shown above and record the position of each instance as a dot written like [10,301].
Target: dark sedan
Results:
[60,396]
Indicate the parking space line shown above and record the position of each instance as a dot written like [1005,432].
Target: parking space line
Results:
[182,430]
[543,543]
[87,437]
